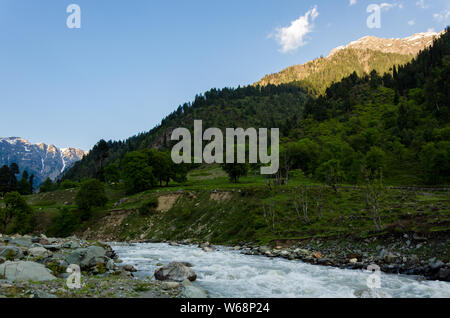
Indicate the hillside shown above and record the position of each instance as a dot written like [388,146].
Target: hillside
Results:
[393,117]
[269,106]
[44,161]
[397,123]
[361,56]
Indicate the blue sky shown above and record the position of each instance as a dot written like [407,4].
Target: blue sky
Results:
[133,62]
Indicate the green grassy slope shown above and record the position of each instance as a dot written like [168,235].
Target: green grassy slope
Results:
[216,210]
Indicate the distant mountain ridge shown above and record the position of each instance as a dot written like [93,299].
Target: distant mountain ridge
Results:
[406,46]
[361,56]
[44,161]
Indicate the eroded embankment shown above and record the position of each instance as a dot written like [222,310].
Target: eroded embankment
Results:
[415,238]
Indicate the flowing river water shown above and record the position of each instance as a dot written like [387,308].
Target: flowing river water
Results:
[228,273]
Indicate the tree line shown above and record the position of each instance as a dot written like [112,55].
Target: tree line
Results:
[9,182]
[16,216]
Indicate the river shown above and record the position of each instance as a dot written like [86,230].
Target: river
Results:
[228,273]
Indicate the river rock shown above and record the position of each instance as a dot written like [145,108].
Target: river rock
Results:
[175,272]
[21,241]
[52,247]
[390,258]
[414,259]
[436,265]
[318,255]
[191,291]
[129,268]
[71,245]
[11,251]
[206,244]
[87,257]
[25,271]
[207,249]
[39,252]
[42,294]
[187,264]
[170,285]
[110,265]
[354,255]
[444,274]
[284,253]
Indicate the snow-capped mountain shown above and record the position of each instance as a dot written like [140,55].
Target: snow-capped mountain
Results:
[39,159]
[410,45]
[360,56]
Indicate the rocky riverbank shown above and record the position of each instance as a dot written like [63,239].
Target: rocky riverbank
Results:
[39,267]
[390,257]
[409,254]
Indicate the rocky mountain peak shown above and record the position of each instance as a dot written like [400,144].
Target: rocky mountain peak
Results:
[44,161]
[411,45]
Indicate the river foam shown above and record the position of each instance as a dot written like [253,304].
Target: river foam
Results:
[228,273]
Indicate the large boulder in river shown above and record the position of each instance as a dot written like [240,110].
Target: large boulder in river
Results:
[25,271]
[176,272]
[87,257]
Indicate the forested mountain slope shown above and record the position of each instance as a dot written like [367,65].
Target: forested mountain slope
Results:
[269,106]
[397,124]
[362,56]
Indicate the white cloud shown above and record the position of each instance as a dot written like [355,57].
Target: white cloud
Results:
[388,6]
[292,37]
[353,2]
[411,22]
[441,16]
[422,4]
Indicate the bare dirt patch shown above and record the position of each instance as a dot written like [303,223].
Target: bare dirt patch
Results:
[166,202]
[108,224]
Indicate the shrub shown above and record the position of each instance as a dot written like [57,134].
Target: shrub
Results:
[185,213]
[56,268]
[64,223]
[10,255]
[17,216]
[68,184]
[148,207]
[47,186]
[91,194]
